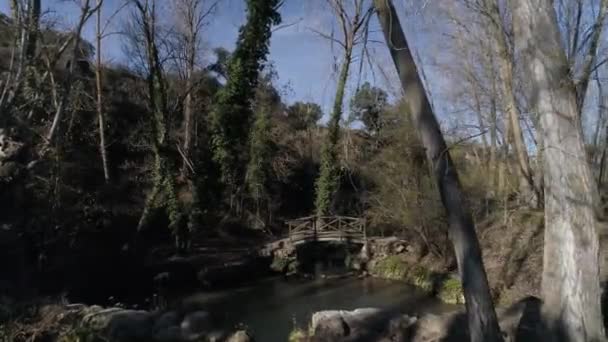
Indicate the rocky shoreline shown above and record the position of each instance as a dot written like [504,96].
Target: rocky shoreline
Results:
[519,322]
[79,322]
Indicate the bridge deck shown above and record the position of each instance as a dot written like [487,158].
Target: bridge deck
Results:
[326,228]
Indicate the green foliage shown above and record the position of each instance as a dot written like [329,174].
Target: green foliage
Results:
[262,148]
[304,115]
[367,106]
[297,335]
[231,117]
[328,182]
[420,277]
[260,156]
[392,267]
[222,60]
[451,291]
[287,264]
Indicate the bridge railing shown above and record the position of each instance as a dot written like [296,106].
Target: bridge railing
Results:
[326,228]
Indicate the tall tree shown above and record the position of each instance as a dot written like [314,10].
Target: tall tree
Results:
[99,98]
[191,16]
[367,106]
[570,283]
[483,324]
[261,147]
[353,27]
[505,63]
[232,116]
[163,178]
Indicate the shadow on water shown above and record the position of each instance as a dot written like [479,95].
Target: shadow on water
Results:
[271,307]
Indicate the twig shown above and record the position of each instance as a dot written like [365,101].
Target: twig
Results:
[186,160]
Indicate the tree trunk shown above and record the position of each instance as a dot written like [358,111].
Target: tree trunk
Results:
[590,57]
[570,284]
[99,104]
[505,71]
[483,325]
[493,145]
[163,183]
[603,161]
[188,102]
[327,183]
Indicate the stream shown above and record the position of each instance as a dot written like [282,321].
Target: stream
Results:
[271,308]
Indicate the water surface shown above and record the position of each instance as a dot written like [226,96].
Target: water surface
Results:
[271,307]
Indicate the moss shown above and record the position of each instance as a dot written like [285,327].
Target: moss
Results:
[395,268]
[391,267]
[421,277]
[451,292]
[298,335]
[287,265]
[80,335]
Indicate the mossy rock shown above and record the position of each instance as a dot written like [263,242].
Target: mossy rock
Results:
[451,291]
[298,335]
[288,265]
[421,277]
[391,267]
[80,334]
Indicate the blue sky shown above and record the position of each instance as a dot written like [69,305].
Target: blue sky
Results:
[304,60]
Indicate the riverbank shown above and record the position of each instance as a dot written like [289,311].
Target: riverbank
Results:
[511,245]
[519,322]
[52,320]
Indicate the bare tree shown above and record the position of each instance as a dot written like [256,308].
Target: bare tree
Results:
[352,18]
[191,17]
[99,99]
[583,31]
[86,11]
[26,16]
[570,283]
[483,324]
[163,181]
[494,24]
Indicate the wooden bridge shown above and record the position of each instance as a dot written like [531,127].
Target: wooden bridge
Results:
[343,229]
[326,228]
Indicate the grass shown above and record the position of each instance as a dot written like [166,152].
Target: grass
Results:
[394,267]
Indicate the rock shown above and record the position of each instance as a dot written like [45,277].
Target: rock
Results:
[329,325]
[196,323]
[170,334]
[166,320]
[240,336]
[400,328]
[119,324]
[216,336]
[399,249]
[334,325]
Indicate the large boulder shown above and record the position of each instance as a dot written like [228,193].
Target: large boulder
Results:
[341,325]
[240,336]
[166,320]
[118,324]
[196,324]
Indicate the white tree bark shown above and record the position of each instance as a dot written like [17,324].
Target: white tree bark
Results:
[99,100]
[570,285]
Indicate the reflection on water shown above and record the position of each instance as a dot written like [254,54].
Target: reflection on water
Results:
[270,307]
